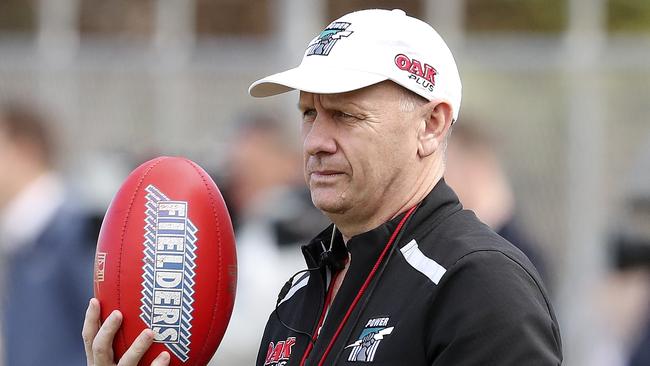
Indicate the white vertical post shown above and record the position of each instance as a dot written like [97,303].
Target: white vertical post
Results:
[173,41]
[296,22]
[174,34]
[585,254]
[57,34]
[448,18]
[57,46]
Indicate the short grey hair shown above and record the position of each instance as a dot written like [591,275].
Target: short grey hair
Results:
[409,101]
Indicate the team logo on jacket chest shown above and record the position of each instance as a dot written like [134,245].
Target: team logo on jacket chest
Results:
[279,353]
[168,276]
[366,345]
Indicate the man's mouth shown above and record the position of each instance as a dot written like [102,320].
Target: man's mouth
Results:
[325,175]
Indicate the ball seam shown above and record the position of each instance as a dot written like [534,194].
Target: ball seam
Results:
[219,278]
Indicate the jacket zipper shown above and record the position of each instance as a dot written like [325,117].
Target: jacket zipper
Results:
[319,324]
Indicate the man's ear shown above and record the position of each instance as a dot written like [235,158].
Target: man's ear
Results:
[436,121]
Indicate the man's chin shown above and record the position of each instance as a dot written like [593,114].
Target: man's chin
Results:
[330,208]
[329,205]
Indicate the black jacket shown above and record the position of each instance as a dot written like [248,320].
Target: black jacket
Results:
[449,292]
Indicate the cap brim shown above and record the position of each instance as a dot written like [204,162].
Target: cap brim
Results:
[320,81]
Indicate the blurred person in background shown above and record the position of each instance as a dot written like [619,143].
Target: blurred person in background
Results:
[625,300]
[623,297]
[638,251]
[45,245]
[475,172]
[273,215]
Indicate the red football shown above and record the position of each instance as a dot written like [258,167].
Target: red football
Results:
[166,259]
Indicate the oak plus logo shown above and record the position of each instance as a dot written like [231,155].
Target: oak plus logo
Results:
[421,73]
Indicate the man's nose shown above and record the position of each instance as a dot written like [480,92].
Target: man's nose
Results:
[320,135]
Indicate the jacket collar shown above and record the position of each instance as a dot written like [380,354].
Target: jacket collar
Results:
[366,247]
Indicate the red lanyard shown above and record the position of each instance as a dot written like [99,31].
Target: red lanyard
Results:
[328,300]
[357,297]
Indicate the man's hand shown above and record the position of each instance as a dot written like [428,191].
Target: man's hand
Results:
[98,341]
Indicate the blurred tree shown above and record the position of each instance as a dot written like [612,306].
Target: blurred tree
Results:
[17,16]
[233,17]
[117,18]
[336,8]
[535,16]
[628,16]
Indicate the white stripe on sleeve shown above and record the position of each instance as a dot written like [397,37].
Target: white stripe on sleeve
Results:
[422,263]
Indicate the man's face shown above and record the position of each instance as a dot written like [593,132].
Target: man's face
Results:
[356,146]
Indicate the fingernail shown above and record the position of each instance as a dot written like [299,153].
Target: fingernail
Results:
[148,333]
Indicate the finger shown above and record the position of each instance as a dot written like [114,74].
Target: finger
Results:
[103,343]
[162,359]
[90,329]
[141,344]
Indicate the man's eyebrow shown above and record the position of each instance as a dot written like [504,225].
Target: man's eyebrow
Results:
[338,102]
[302,106]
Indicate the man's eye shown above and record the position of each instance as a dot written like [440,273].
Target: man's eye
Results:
[309,114]
[345,116]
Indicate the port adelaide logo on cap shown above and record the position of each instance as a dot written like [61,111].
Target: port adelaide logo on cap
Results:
[168,278]
[366,345]
[322,45]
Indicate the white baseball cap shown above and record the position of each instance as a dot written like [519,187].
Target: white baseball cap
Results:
[369,46]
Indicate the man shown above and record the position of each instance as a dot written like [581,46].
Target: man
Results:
[405,276]
[45,245]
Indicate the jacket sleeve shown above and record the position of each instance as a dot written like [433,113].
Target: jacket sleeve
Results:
[491,310]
